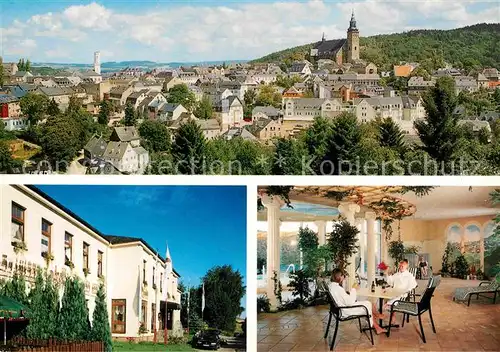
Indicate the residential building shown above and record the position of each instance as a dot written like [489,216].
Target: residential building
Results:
[230,112]
[132,272]
[211,128]
[125,157]
[21,76]
[466,84]
[119,94]
[127,134]
[170,112]
[306,109]
[266,129]
[300,68]
[418,84]
[266,112]
[10,113]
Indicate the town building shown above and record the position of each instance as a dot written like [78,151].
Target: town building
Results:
[10,113]
[33,225]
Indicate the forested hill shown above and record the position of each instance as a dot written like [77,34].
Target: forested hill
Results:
[468,47]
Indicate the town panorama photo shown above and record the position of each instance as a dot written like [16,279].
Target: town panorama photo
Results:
[250,88]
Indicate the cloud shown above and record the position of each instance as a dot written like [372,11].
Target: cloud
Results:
[236,31]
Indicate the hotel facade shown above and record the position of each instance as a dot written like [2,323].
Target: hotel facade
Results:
[38,232]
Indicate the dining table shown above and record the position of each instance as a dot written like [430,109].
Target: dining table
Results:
[382,294]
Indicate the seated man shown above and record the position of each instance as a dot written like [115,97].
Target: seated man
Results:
[344,299]
[402,281]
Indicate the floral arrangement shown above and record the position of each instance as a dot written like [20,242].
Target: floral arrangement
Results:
[382,266]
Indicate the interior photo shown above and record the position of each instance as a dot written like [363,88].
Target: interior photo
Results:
[340,267]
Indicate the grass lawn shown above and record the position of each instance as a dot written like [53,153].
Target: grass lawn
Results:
[149,346]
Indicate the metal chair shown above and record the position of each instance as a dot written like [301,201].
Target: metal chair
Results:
[417,309]
[336,311]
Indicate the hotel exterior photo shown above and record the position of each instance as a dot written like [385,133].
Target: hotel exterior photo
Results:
[37,231]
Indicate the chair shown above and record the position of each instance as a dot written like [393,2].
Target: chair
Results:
[485,287]
[336,311]
[417,309]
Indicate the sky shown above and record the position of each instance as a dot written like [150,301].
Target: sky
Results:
[67,31]
[204,226]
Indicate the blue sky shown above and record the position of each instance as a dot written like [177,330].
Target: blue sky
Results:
[204,225]
[164,31]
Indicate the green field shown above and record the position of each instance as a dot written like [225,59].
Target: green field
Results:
[149,346]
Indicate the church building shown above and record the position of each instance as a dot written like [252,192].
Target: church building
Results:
[339,50]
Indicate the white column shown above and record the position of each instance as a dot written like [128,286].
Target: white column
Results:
[348,211]
[273,205]
[321,224]
[481,253]
[370,244]
[360,224]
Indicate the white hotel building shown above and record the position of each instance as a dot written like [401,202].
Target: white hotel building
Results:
[129,267]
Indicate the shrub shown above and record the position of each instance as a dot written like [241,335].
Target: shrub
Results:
[263,305]
[461,267]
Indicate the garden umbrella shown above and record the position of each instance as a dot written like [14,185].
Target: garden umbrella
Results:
[10,310]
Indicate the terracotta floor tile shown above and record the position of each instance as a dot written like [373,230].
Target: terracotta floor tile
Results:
[264,347]
[282,347]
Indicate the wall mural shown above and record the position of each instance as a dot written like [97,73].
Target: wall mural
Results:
[469,241]
[491,249]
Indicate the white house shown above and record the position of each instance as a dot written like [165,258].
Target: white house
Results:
[230,112]
[170,112]
[129,267]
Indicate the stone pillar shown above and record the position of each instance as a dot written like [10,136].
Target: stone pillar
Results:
[273,205]
[348,211]
[321,224]
[371,242]
[360,222]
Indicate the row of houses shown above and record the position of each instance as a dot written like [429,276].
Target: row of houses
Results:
[34,225]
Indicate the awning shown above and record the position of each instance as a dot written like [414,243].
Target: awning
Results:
[11,309]
[170,305]
[12,317]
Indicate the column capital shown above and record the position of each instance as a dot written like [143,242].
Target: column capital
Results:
[271,201]
[319,222]
[370,215]
[351,208]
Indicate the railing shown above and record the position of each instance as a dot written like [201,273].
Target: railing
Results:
[52,345]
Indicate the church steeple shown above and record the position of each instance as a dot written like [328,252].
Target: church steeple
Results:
[352,23]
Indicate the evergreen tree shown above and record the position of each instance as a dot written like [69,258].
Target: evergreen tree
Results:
[390,135]
[345,145]
[130,118]
[36,328]
[53,108]
[16,288]
[156,136]
[27,66]
[438,131]
[288,157]
[223,292]
[51,300]
[104,112]
[189,150]
[317,138]
[100,320]
[73,317]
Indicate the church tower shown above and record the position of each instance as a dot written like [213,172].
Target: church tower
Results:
[352,40]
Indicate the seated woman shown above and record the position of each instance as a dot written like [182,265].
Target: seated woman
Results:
[344,299]
[423,267]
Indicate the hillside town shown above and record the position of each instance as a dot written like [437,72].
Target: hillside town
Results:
[254,101]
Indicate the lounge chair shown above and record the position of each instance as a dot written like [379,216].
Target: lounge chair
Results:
[485,289]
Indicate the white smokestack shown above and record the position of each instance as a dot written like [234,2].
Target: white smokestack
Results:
[97,62]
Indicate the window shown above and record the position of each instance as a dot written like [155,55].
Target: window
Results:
[46,230]
[99,263]
[144,271]
[17,226]
[154,273]
[153,316]
[161,282]
[144,307]
[118,316]
[85,256]
[68,248]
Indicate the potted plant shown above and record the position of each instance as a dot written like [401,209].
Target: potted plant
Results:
[86,271]
[19,246]
[69,263]
[48,256]
[342,243]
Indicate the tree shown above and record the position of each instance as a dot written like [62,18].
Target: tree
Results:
[288,157]
[396,251]
[73,317]
[342,243]
[27,66]
[268,96]
[34,106]
[74,105]
[7,162]
[345,145]
[61,139]
[180,94]
[130,118]
[461,267]
[390,135]
[100,320]
[223,292]
[204,109]
[1,72]
[317,138]
[105,109]
[16,288]
[299,282]
[53,108]
[36,327]
[189,149]
[249,97]
[438,131]
[156,136]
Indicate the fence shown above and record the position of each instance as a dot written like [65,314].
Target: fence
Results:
[52,345]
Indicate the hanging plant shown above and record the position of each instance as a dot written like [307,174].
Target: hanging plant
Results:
[86,271]
[339,195]
[279,191]
[48,256]
[69,263]
[19,247]
[419,191]
[277,287]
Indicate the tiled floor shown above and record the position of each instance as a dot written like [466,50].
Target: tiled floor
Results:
[459,328]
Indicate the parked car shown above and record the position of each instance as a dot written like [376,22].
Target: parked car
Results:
[209,339]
